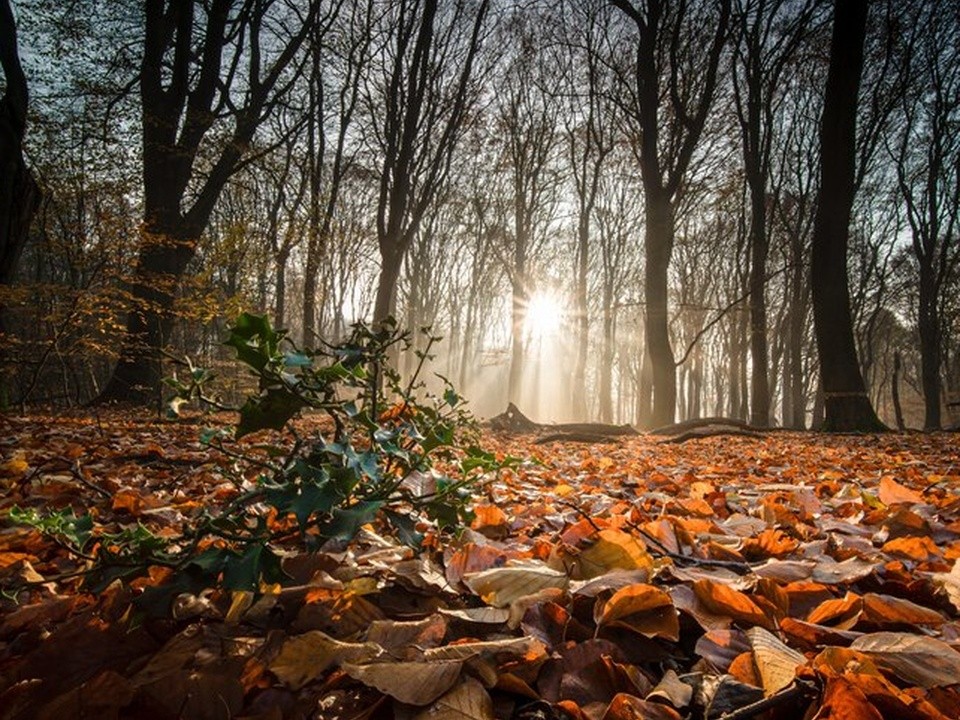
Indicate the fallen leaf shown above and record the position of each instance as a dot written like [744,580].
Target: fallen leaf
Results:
[415,683]
[499,587]
[467,701]
[891,492]
[916,659]
[304,658]
[776,663]
[644,608]
[723,600]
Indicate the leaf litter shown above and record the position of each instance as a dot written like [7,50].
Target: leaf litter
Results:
[789,576]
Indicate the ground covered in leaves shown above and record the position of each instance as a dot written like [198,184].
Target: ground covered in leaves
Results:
[789,576]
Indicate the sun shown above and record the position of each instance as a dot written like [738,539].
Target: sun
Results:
[544,315]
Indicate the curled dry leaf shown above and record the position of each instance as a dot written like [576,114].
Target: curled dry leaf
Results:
[415,683]
[467,701]
[723,600]
[916,659]
[629,707]
[501,586]
[644,608]
[507,646]
[304,658]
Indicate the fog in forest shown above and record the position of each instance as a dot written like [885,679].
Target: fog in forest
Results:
[616,211]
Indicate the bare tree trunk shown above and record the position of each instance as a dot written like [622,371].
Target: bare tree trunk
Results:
[847,407]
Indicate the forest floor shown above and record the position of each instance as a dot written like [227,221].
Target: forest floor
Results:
[795,575]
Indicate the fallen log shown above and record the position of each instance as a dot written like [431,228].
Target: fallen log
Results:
[512,420]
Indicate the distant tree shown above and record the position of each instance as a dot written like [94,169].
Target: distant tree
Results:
[419,108]
[670,88]
[847,405]
[203,62]
[926,156]
[768,33]
[19,194]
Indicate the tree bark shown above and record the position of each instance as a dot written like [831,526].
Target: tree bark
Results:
[19,193]
[181,94]
[846,404]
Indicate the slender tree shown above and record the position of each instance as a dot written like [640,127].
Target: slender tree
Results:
[428,91]
[674,77]
[847,405]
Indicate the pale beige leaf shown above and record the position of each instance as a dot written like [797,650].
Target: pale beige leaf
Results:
[919,660]
[776,662]
[394,635]
[467,701]
[480,615]
[304,658]
[508,646]
[499,587]
[415,683]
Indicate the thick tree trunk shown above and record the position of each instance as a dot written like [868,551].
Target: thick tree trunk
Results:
[138,375]
[759,351]
[19,193]
[846,404]
[658,246]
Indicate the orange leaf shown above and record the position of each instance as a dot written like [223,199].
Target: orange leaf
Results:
[842,700]
[891,492]
[723,600]
[644,608]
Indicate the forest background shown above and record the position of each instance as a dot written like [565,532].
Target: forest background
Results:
[595,205]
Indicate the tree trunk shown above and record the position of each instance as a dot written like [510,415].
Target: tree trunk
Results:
[606,358]
[658,246]
[759,351]
[846,405]
[895,392]
[929,328]
[583,320]
[19,193]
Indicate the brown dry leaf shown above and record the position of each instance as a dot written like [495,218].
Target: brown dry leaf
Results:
[395,636]
[949,584]
[891,492]
[918,549]
[721,647]
[842,700]
[776,663]
[467,701]
[842,613]
[644,608]
[304,658]
[672,689]
[500,587]
[415,683]
[629,707]
[916,659]
[610,550]
[723,600]
[491,522]
[830,572]
[104,696]
[480,615]
[522,646]
[890,610]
